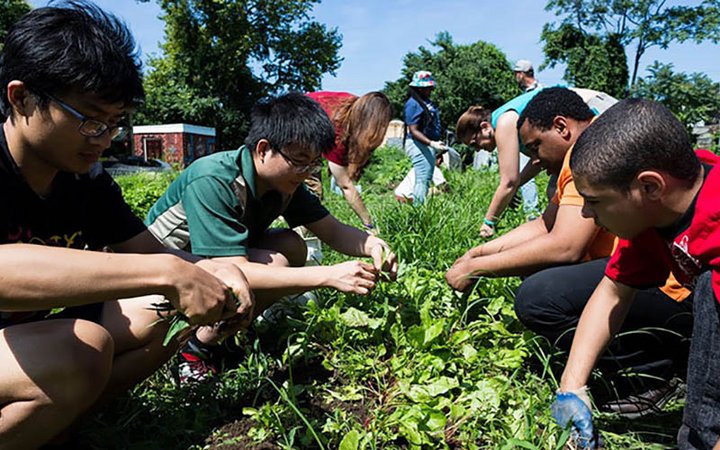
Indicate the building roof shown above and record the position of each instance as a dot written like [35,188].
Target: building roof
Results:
[174,128]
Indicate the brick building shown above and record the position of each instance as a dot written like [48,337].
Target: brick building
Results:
[177,143]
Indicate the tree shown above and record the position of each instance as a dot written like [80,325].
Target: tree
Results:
[10,12]
[478,73]
[691,97]
[221,56]
[594,62]
[645,23]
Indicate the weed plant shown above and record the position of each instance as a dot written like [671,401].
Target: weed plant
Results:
[413,365]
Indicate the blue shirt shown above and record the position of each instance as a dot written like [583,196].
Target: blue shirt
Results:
[414,113]
[518,105]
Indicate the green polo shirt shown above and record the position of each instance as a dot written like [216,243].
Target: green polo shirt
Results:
[212,209]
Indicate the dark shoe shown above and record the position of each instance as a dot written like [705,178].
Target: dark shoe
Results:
[648,402]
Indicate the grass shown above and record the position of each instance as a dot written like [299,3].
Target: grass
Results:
[413,365]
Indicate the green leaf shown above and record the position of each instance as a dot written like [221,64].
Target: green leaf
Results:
[434,420]
[177,324]
[353,317]
[350,441]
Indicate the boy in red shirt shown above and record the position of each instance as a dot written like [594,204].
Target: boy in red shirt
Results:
[641,180]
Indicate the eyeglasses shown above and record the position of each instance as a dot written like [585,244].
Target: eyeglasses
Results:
[301,168]
[91,127]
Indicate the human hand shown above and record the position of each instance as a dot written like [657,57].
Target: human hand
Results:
[574,408]
[384,260]
[195,293]
[486,230]
[458,276]
[371,228]
[355,277]
[242,302]
[437,145]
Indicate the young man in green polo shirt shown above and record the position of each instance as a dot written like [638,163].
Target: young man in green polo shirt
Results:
[222,206]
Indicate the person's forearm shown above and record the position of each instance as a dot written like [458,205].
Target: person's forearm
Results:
[533,255]
[601,319]
[342,238]
[38,277]
[418,135]
[518,236]
[501,199]
[287,279]
[356,203]
[528,173]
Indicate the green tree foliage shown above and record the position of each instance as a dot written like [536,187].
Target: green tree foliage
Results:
[221,56]
[10,11]
[643,23]
[692,97]
[593,61]
[478,73]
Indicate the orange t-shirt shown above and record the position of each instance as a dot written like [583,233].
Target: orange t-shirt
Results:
[604,242]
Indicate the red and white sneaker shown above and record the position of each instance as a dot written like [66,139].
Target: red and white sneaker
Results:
[191,368]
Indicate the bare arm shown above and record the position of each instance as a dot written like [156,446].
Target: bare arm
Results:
[351,241]
[343,238]
[37,277]
[566,242]
[600,321]
[528,172]
[353,276]
[508,148]
[418,135]
[350,192]
[518,236]
[146,243]
[231,275]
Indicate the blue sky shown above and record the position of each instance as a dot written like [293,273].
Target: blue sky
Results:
[378,33]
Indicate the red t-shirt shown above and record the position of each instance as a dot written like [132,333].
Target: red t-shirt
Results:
[688,248]
[330,101]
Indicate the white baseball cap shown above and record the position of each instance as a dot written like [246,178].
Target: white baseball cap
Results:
[522,65]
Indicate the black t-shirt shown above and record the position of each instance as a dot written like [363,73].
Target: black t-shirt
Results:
[82,212]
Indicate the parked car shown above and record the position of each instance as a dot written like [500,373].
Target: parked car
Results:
[134,164]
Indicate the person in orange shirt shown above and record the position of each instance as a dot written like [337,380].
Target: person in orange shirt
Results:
[564,256]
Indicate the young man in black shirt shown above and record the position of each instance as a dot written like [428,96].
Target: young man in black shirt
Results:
[69,77]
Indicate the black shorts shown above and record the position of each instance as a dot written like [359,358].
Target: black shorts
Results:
[91,312]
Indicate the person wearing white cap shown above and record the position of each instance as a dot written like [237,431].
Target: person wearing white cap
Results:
[525,75]
[422,121]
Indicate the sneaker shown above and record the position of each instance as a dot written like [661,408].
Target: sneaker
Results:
[648,402]
[194,366]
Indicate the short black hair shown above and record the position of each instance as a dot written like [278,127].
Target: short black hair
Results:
[632,136]
[292,121]
[71,45]
[552,102]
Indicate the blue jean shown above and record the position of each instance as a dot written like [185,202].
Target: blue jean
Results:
[423,161]
[701,419]
[528,190]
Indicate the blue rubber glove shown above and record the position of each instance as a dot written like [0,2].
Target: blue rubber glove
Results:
[574,407]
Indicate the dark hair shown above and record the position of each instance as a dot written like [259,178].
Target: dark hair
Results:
[469,122]
[552,102]
[632,136]
[71,45]
[363,122]
[291,122]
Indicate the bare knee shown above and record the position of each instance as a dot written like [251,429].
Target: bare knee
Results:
[280,247]
[80,379]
